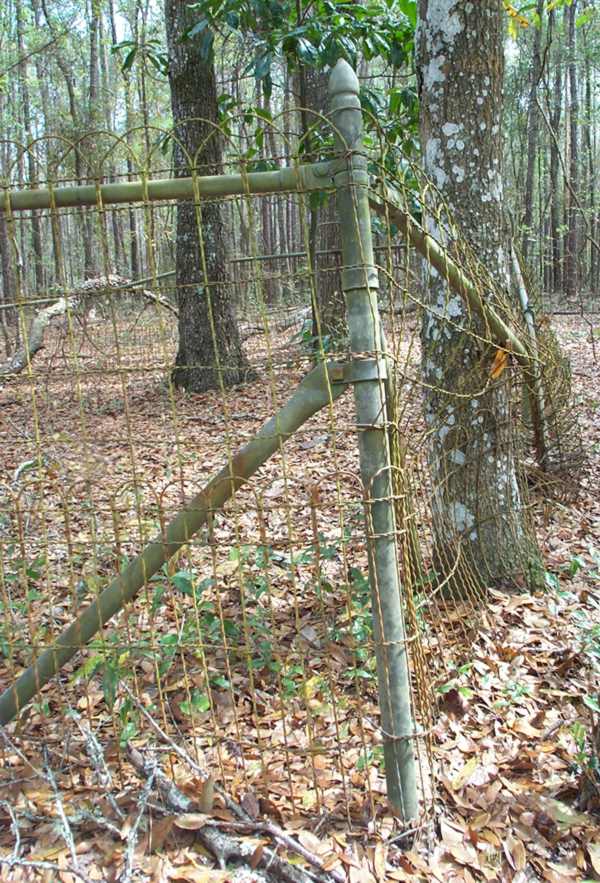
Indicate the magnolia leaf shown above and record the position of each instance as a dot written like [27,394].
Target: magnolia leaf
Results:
[594,853]
[192,821]
[462,777]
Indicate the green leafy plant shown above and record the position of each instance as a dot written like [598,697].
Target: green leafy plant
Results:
[371,757]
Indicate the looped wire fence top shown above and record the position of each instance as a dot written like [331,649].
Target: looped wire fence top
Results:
[252,636]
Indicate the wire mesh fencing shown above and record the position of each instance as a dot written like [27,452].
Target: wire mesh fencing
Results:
[249,640]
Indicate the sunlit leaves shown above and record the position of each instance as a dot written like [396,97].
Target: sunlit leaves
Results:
[330,30]
[151,52]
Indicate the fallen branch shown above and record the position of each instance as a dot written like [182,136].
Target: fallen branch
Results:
[245,821]
[56,870]
[224,848]
[34,340]
[72,301]
[132,837]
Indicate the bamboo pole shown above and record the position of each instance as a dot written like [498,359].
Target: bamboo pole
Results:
[300,178]
[360,283]
[322,385]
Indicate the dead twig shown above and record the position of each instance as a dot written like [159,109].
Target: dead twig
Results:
[224,848]
[132,837]
[175,748]
[96,756]
[14,824]
[64,822]
[266,827]
[57,870]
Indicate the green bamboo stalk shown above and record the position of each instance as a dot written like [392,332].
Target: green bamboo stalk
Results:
[360,283]
[300,178]
[321,386]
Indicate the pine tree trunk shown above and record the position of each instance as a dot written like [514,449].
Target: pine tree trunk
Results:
[557,266]
[572,243]
[591,176]
[36,233]
[533,127]
[210,350]
[478,513]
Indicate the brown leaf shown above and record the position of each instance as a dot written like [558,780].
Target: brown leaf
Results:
[192,821]
[594,854]
[256,856]
[195,874]
[268,808]
[499,364]
[453,704]
[463,776]
[515,853]
[249,804]
[451,835]
[159,832]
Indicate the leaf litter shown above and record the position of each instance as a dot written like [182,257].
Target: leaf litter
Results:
[517,787]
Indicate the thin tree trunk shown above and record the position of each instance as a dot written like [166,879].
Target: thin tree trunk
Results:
[533,126]
[67,72]
[329,308]
[572,244]
[555,206]
[591,172]
[36,234]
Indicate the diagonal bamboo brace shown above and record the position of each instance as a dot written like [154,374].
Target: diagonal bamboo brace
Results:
[323,385]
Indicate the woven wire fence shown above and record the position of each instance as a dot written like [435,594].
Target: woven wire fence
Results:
[249,656]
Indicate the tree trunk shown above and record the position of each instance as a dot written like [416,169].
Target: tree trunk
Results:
[210,350]
[480,531]
[66,70]
[36,234]
[329,309]
[533,126]
[555,211]
[572,242]
[591,175]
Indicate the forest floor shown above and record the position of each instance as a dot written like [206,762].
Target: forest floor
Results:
[248,661]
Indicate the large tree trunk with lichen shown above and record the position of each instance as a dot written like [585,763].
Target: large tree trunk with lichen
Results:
[480,529]
[210,351]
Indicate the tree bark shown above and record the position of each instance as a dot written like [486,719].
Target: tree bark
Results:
[36,234]
[480,531]
[66,69]
[572,242]
[210,350]
[593,255]
[329,308]
[533,128]
[555,202]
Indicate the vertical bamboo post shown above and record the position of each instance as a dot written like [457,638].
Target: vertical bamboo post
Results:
[360,283]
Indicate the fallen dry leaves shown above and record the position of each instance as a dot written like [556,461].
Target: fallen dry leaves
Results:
[268,705]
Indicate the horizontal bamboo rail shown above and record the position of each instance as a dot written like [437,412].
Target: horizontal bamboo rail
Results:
[310,177]
[301,178]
